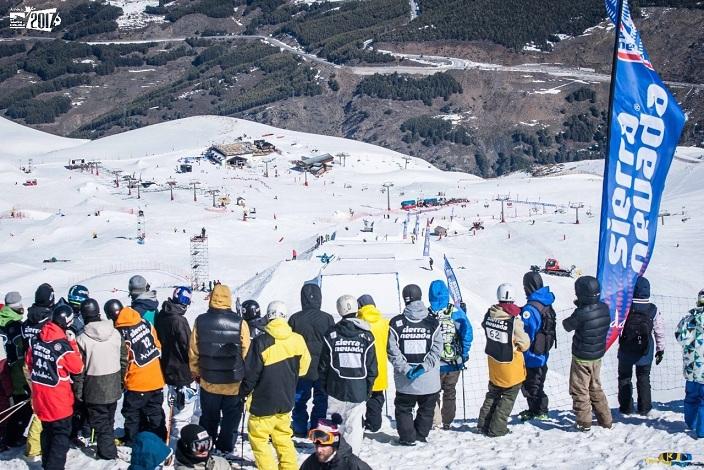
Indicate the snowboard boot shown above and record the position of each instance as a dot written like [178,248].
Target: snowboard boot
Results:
[526,415]
[583,427]
[406,443]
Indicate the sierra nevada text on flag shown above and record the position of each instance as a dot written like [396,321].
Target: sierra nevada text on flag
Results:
[645,126]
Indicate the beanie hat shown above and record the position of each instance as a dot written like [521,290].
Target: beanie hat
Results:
[13,300]
[191,434]
[276,309]
[221,297]
[411,293]
[137,285]
[44,296]
[641,292]
[346,305]
[532,281]
[365,299]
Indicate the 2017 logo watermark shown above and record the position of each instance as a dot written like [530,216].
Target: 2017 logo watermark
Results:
[30,18]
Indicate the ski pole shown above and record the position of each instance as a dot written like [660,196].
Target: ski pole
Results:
[244,418]
[171,415]
[464,401]
[17,408]
[16,405]
[386,404]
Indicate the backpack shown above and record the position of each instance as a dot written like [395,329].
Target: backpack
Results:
[635,336]
[546,337]
[452,349]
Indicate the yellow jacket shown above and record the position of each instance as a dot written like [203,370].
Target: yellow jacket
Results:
[380,330]
[507,375]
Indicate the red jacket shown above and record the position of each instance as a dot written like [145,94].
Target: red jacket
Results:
[56,358]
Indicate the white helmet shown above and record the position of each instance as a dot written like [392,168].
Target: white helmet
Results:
[346,305]
[700,299]
[505,293]
[276,309]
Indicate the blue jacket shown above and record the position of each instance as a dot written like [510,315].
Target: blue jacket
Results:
[439,298]
[533,321]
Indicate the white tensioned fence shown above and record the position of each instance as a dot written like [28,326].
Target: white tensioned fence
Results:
[665,377]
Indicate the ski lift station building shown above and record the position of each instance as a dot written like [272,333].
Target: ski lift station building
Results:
[317,164]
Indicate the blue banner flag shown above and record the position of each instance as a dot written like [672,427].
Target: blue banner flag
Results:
[644,128]
[405,229]
[416,229]
[426,244]
[452,284]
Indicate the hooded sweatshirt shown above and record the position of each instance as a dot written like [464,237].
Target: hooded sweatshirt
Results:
[415,315]
[143,352]
[274,363]
[509,374]
[11,327]
[147,305]
[312,323]
[380,329]
[52,396]
[457,332]
[533,321]
[37,315]
[105,355]
[174,334]
[347,368]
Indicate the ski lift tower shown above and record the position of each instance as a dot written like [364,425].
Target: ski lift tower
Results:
[503,199]
[576,206]
[199,260]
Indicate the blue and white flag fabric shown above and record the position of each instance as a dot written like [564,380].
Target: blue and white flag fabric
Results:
[416,229]
[426,244]
[452,284]
[405,229]
[645,126]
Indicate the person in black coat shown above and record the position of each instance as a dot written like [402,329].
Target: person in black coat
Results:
[174,334]
[311,323]
[331,450]
[590,322]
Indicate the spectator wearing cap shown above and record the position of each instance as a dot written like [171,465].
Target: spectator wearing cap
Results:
[274,363]
[380,329]
[143,298]
[99,387]
[175,334]
[331,449]
[11,328]
[219,342]
[194,450]
[347,370]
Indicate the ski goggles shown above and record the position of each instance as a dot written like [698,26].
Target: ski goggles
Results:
[201,448]
[319,436]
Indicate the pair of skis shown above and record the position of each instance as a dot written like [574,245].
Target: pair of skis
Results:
[675,459]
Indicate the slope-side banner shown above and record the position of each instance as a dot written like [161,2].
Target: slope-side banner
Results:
[645,126]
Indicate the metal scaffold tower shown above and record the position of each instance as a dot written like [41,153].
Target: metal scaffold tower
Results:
[199,261]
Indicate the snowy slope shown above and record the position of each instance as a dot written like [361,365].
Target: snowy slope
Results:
[253,257]
[21,141]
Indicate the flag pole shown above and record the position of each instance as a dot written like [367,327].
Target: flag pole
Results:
[609,127]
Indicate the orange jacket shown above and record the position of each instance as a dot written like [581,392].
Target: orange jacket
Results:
[143,352]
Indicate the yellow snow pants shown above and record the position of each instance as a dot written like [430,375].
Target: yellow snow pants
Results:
[278,428]
[34,445]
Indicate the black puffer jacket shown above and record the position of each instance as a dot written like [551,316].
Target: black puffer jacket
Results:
[312,323]
[343,459]
[220,346]
[590,321]
[174,334]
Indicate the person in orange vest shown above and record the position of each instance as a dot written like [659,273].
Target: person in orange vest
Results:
[144,380]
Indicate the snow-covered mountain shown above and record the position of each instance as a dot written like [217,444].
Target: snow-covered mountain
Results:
[84,219]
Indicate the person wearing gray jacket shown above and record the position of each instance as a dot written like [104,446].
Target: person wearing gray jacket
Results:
[414,347]
[100,384]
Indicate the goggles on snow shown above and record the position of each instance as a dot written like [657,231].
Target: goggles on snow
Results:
[319,436]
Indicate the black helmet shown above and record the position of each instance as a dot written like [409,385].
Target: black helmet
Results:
[411,293]
[62,314]
[587,289]
[251,310]
[90,310]
[112,308]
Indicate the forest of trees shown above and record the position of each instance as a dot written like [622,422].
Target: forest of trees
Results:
[512,23]
[406,88]
[89,18]
[36,111]
[434,130]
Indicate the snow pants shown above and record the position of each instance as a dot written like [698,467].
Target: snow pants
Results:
[372,418]
[302,422]
[625,387]
[276,428]
[34,445]
[409,429]
[102,419]
[352,427]
[694,407]
[55,442]
[497,407]
[183,411]
[220,416]
[143,412]
[534,389]
[586,392]
[447,404]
